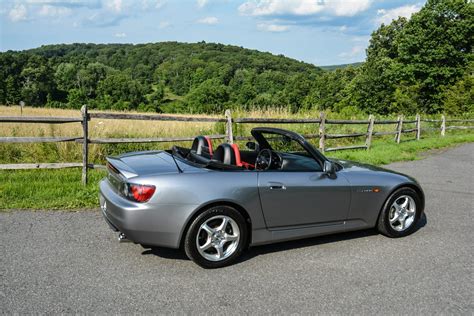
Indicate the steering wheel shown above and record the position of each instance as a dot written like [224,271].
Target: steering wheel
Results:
[267,159]
[264,159]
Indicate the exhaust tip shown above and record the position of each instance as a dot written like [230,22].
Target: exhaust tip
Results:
[123,238]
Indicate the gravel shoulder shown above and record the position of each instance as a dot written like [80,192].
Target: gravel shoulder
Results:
[70,262]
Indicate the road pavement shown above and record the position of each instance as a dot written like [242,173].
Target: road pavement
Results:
[70,262]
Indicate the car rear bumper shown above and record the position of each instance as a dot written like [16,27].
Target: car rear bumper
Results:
[144,223]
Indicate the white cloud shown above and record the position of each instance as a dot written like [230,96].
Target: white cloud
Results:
[60,2]
[202,3]
[304,7]
[120,35]
[160,3]
[164,24]
[268,27]
[386,16]
[18,13]
[347,7]
[210,20]
[355,51]
[114,5]
[53,11]
[150,4]
[101,13]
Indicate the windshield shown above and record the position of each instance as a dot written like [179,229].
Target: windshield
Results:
[284,144]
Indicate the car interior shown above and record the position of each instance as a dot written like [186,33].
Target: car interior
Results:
[229,157]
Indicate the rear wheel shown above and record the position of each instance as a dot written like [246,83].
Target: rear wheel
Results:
[216,238]
[400,214]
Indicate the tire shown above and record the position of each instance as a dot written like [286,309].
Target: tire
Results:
[392,226]
[211,245]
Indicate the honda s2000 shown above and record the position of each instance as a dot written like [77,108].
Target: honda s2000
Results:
[216,202]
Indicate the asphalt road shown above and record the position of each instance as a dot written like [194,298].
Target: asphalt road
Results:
[65,262]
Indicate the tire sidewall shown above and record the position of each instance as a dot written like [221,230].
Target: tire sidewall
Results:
[384,223]
[190,239]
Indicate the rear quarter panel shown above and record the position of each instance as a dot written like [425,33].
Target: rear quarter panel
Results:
[203,187]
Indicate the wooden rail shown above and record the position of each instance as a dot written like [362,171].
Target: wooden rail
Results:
[39,119]
[321,132]
[154,117]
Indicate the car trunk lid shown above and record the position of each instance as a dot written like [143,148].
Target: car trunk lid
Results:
[142,163]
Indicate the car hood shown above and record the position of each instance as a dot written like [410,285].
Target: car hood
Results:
[354,166]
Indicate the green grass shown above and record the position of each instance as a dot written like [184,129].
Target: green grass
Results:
[384,152]
[48,189]
[62,189]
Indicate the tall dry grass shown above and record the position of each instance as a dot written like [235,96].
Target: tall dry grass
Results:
[104,128]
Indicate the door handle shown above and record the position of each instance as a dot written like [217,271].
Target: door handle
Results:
[276,186]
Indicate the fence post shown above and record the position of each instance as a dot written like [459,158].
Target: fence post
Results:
[228,127]
[418,127]
[399,129]
[85,118]
[443,125]
[322,131]
[370,130]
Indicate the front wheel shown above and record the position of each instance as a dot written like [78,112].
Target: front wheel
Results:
[400,214]
[216,238]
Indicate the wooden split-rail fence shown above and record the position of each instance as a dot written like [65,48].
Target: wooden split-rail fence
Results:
[322,121]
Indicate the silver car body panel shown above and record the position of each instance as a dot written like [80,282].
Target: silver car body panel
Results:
[280,205]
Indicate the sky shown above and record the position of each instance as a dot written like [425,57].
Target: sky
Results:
[321,32]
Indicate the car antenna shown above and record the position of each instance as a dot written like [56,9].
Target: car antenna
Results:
[175,162]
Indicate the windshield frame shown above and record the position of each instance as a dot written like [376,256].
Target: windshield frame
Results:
[258,134]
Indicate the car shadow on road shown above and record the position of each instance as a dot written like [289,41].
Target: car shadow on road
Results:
[178,254]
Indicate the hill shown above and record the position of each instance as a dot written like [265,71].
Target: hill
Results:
[419,65]
[169,76]
[340,66]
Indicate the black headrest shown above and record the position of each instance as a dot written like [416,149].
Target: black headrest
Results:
[225,154]
[201,146]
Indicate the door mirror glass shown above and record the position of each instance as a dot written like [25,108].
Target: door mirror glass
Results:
[329,167]
[252,146]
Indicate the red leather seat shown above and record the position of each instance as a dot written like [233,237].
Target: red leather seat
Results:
[202,146]
[230,154]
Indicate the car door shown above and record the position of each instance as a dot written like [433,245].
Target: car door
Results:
[303,198]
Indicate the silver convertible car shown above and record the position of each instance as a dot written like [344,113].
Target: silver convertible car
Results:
[214,204]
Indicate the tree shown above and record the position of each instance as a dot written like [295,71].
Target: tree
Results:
[37,82]
[121,92]
[66,76]
[436,46]
[209,97]
[459,98]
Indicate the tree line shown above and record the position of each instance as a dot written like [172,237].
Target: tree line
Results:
[424,64]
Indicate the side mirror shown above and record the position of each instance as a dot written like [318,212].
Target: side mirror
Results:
[252,146]
[329,167]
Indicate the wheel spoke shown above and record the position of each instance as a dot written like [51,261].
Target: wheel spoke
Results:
[397,207]
[224,223]
[228,237]
[220,250]
[395,218]
[401,220]
[207,245]
[405,204]
[208,229]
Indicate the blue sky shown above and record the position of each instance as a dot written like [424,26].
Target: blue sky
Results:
[321,32]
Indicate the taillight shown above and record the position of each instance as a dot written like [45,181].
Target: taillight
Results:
[139,192]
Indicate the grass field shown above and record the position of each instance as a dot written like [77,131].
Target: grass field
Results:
[62,189]
[98,128]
